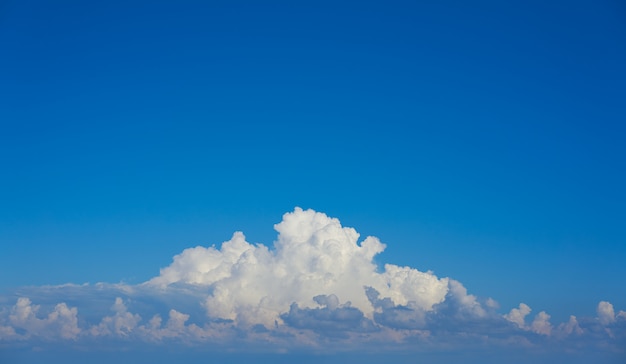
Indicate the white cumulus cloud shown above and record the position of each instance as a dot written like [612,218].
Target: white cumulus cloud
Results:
[122,323]
[313,255]
[518,315]
[62,321]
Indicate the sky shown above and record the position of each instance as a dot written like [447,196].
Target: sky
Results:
[479,145]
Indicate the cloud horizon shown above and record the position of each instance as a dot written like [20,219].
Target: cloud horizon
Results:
[317,288]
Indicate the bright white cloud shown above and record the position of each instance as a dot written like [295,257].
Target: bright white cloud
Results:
[314,255]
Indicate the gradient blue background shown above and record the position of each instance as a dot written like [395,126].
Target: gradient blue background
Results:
[482,141]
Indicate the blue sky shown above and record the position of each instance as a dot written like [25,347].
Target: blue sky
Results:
[483,142]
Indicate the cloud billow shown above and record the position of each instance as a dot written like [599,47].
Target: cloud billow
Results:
[314,255]
[317,285]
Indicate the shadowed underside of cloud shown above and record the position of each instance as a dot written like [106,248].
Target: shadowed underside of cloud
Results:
[317,288]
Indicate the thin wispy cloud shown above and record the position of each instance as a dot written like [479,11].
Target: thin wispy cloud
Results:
[316,288]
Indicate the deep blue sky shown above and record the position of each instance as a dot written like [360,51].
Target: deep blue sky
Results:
[483,141]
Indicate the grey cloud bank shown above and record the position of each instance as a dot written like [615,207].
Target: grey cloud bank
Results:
[317,290]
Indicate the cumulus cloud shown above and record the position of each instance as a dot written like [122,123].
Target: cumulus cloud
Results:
[570,327]
[122,323]
[317,285]
[174,327]
[606,313]
[24,322]
[541,324]
[314,255]
[518,315]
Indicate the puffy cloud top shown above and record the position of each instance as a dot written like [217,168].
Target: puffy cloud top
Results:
[314,255]
[606,313]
